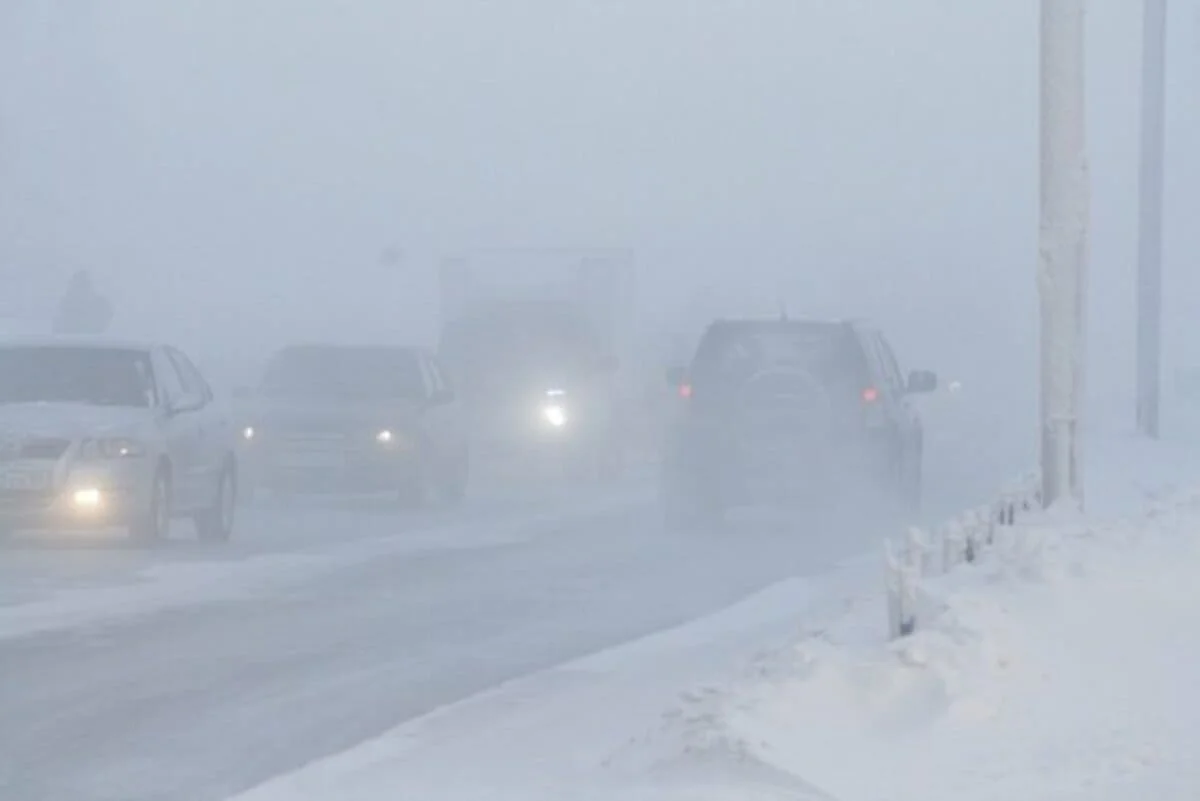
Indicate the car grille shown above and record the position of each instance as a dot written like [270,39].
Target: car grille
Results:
[34,448]
[25,501]
[44,448]
[313,439]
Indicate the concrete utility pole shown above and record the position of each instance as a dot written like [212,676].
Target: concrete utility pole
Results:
[1150,225]
[1063,251]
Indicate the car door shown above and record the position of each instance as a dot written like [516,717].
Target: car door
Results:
[214,429]
[446,411]
[180,427]
[433,419]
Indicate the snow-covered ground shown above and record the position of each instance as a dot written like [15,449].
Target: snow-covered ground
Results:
[1058,668]
[155,587]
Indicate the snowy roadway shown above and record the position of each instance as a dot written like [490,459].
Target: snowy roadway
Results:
[201,697]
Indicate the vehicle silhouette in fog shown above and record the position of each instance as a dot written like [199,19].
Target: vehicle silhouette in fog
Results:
[340,418]
[97,434]
[539,391]
[790,412]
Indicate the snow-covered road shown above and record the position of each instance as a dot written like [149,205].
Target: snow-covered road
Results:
[205,698]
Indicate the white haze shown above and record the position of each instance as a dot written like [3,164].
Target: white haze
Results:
[232,170]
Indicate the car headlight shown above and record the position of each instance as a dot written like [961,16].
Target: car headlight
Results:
[87,498]
[112,448]
[249,433]
[385,437]
[555,415]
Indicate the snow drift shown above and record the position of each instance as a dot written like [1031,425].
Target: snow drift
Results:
[1060,667]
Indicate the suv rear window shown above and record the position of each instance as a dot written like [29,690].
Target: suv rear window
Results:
[731,353]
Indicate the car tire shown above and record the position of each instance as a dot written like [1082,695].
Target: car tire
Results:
[455,482]
[247,489]
[686,509]
[153,524]
[416,492]
[215,524]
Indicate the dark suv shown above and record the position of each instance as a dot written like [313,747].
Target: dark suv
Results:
[790,412]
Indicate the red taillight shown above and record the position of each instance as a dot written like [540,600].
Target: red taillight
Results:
[685,390]
[870,395]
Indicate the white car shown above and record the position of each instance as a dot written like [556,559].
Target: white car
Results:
[96,433]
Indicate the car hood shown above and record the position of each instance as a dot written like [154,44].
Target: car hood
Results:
[332,416]
[70,420]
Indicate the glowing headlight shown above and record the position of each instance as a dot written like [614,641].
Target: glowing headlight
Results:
[119,448]
[384,437]
[248,433]
[555,416]
[88,498]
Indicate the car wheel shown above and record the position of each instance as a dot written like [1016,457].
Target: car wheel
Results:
[685,508]
[454,485]
[215,524]
[415,491]
[155,522]
[247,489]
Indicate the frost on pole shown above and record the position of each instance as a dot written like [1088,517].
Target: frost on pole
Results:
[1149,294]
[1063,253]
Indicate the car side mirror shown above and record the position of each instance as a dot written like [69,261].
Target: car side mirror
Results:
[921,382]
[184,404]
[676,376]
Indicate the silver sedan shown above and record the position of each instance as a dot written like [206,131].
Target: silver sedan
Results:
[97,434]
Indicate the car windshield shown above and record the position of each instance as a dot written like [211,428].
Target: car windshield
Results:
[94,376]
[344,374]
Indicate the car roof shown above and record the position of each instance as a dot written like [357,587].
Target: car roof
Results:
[342,346]
[751,322]
[72,341]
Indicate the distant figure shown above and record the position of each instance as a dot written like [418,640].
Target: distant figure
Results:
[82,309]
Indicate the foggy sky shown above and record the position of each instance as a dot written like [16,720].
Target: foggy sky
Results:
[252,158]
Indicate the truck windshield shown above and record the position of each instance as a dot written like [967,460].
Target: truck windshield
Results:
[345,373]
[487,351]
[93,376]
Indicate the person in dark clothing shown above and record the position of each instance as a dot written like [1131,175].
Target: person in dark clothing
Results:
[82,309]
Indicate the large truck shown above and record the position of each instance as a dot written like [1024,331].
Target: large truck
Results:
[534,341]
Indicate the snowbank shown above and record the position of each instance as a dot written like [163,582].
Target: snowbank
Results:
[1058,668]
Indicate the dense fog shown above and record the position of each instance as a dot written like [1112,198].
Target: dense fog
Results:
[241,173]
[582,550]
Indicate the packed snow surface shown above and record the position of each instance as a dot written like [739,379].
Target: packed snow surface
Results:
[1059,667]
